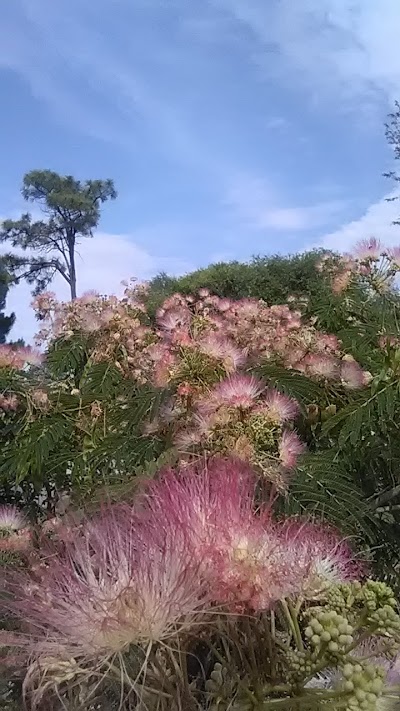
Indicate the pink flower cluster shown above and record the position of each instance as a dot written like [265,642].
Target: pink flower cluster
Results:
[239,414]
[196,341]
[370,261]
[18,358]
[240,333]
[196,544]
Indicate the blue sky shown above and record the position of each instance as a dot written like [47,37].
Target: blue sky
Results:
[230,127]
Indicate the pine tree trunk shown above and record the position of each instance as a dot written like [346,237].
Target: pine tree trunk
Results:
[72,271]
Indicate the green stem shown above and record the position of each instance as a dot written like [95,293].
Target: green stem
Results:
[293,624]
[300,701]
[294,614]
[250,647]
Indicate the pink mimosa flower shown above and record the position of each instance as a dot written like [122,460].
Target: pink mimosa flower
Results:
[280,407]
[352,375]
[322,554]
[238,391]
[11,519]
[116,584]
[290,448]
[367,249]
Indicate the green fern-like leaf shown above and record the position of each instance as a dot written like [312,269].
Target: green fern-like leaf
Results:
[66,356]
[100,380]
[292,383]
[30,458]
[323,487]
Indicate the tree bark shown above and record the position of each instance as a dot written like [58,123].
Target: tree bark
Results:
[72,270]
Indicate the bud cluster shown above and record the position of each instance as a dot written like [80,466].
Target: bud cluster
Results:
[329,632]
[364,682]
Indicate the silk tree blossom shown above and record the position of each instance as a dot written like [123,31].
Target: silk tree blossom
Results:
[280,408]
[249,559]
[11,520]
[232,332]
[241,553]
[290,448]
[394,256]
[323,555]
[195,497]
[18,358]
[188,438]
[8,403]
[173,319]
[251,570]
[369,249]
[238,391]
[238,416]
[116,584]
[322,365]
[18,542]
[341,281]
[224,305]
[247,307]
[40,398]
[352,375]
[224,350]
[387,341]
[15,534]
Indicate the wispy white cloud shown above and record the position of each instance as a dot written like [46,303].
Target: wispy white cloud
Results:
[339,50]
[377,221]
[257,205]
[90,82]
[91,65]
[102,264]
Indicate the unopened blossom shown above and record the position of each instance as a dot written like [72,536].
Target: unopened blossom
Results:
[377,658]
[8,403]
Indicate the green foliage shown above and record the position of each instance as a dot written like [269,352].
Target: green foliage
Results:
[325,488]
[392,133]
[91,437]
[72,210]
[292,383]
[272,279]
